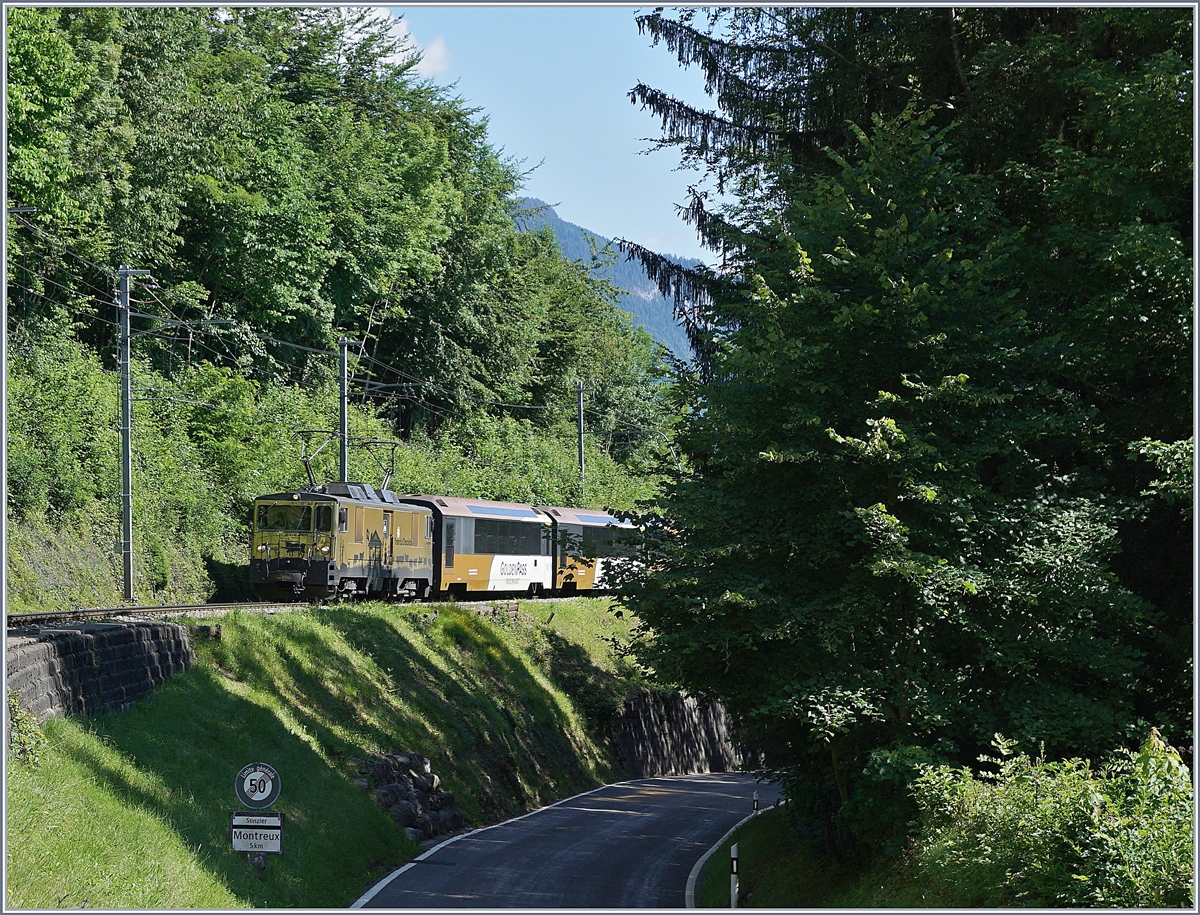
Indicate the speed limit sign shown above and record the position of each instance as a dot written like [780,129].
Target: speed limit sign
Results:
[257,786]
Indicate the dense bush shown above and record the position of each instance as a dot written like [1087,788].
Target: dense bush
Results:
[1060,833]
[206,442]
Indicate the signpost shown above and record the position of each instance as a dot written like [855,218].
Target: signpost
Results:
[257,832]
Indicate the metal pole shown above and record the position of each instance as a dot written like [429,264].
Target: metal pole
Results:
[126,439]
[579,391]
[344,434]
[125,272]
[733,876]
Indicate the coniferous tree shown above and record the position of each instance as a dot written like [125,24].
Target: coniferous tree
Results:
[955,292]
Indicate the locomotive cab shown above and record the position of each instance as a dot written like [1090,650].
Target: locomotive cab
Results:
[340,539]
[292,543]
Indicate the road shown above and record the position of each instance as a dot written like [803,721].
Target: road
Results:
[629,845]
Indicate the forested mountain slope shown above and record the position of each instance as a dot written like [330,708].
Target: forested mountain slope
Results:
[286,180]
[638,293]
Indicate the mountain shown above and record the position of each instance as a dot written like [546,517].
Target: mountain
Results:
[639,296]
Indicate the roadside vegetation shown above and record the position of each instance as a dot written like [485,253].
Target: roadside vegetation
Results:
[1026,832]
[940,418]
[130,809]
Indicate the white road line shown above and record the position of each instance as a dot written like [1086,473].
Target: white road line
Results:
[689,894]
[373,891]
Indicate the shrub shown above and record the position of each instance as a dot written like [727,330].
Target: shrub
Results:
[1058,833]
[25,739]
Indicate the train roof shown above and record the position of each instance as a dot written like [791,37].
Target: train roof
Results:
[588,517]
[478,508]
[355,492]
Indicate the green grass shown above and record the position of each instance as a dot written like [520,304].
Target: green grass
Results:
[131,809]
[776,870]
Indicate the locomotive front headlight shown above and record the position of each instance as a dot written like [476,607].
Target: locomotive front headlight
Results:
[324,549]
[261,547]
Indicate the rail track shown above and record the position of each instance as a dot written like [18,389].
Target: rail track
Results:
[125,611]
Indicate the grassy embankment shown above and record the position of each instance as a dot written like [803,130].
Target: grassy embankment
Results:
[130,809]
[777,871]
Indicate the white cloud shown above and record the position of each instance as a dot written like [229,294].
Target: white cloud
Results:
[435,58]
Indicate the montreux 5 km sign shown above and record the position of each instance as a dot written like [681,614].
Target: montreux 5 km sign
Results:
[257,832]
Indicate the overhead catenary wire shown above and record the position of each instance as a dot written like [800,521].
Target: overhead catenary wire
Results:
[367,385]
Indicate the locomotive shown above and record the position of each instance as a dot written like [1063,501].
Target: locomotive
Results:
[343,539]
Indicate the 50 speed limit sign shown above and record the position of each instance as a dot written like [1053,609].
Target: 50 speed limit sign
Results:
[257,786]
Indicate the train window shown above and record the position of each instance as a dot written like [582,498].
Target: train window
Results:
[324,517]
[358,524]
[607,541]
[387,523]
[451,530]
[291,517]
[429,527]
[507,537]
[343,519]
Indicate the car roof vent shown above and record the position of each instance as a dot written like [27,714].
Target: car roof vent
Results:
[441,502]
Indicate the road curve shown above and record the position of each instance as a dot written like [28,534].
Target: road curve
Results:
[629,845]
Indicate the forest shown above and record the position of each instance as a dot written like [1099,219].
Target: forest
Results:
[287,180]
[940,418]
[919,509]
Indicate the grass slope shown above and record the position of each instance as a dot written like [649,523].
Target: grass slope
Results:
[777,871]
[131,809]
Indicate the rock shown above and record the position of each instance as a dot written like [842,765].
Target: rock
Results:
[389,794]
[411,793]
[415,834]
[404,813]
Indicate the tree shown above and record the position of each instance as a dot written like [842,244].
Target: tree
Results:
[911,464]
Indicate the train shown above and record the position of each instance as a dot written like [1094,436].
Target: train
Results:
[340,540]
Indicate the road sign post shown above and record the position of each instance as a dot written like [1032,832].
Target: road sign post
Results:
[256,832]
[733,876]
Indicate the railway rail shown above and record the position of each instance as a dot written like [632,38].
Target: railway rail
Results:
[53,617]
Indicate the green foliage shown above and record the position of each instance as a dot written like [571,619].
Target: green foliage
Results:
[1174,460]
[276,169]
[26,742]
[912,523]
[1060,834]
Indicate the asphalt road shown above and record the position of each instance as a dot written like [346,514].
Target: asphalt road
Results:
[629,845]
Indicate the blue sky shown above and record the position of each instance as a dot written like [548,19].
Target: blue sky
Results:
[554,82]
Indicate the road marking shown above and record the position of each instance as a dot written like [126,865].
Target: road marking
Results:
[374,891]
[689,893]
[378,887]
[632,813]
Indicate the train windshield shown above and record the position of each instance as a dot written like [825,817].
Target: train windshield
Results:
[284,517]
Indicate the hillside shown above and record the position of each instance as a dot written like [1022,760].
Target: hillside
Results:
[640,297]
[130,809]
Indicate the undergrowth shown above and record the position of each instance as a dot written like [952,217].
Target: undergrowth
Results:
[1025,832]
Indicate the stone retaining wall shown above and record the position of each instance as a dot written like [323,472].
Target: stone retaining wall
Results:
[675,736]
[93,667]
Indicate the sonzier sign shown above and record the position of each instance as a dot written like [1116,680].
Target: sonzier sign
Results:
[257,832]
